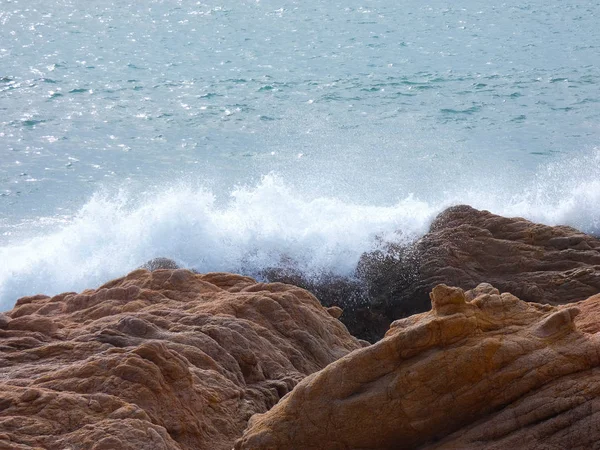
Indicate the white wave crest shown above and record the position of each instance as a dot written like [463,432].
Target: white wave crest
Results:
[269,225]
[258,227]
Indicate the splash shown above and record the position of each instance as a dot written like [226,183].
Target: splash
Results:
[268,225]
[257,227]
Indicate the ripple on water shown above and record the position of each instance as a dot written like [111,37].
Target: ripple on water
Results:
[467,111]
[30,123]
[310,81]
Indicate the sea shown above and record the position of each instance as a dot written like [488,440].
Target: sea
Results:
[242,135]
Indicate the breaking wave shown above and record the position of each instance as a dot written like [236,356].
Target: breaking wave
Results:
[267,225]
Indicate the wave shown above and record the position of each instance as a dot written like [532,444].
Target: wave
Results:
[263,226]
[269,225]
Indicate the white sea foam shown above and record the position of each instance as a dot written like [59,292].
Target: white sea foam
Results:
[564,192]
[258,227]
[266,225]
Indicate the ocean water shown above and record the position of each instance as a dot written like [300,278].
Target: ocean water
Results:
[242,135]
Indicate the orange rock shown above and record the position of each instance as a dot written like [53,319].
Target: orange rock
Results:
[480,370]
[166,359]
[466,247]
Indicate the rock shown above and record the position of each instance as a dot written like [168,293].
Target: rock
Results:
[480,370]
[160,263]
[4,320]
[465,247]
[347,293]
[335,311]
[163,359]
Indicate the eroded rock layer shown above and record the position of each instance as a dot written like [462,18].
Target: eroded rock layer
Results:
[157,360]
[534,262]
[463,248]
[479,370]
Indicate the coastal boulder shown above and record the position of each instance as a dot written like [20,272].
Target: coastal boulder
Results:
[479,370]
[162,359]
[465,247]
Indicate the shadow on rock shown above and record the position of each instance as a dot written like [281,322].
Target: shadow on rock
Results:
[464,247]
[367,298]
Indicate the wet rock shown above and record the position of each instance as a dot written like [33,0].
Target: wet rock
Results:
[534,262]
[466,247]
[347,293]
[160,263]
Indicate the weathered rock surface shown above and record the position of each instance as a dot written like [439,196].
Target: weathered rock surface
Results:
[480,370]
[464,247]
[166,359]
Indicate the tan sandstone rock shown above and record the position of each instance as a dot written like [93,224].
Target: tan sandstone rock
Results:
[465,247]
[166,359]
[480,370]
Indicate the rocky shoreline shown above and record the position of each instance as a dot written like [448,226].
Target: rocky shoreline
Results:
[483,335]
[463,248]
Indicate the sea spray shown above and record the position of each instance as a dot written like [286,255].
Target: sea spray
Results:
[256,228]
[266,226]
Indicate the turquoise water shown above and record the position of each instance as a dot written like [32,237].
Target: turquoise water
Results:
[243,135]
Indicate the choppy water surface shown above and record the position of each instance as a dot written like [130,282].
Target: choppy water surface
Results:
[232,135]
